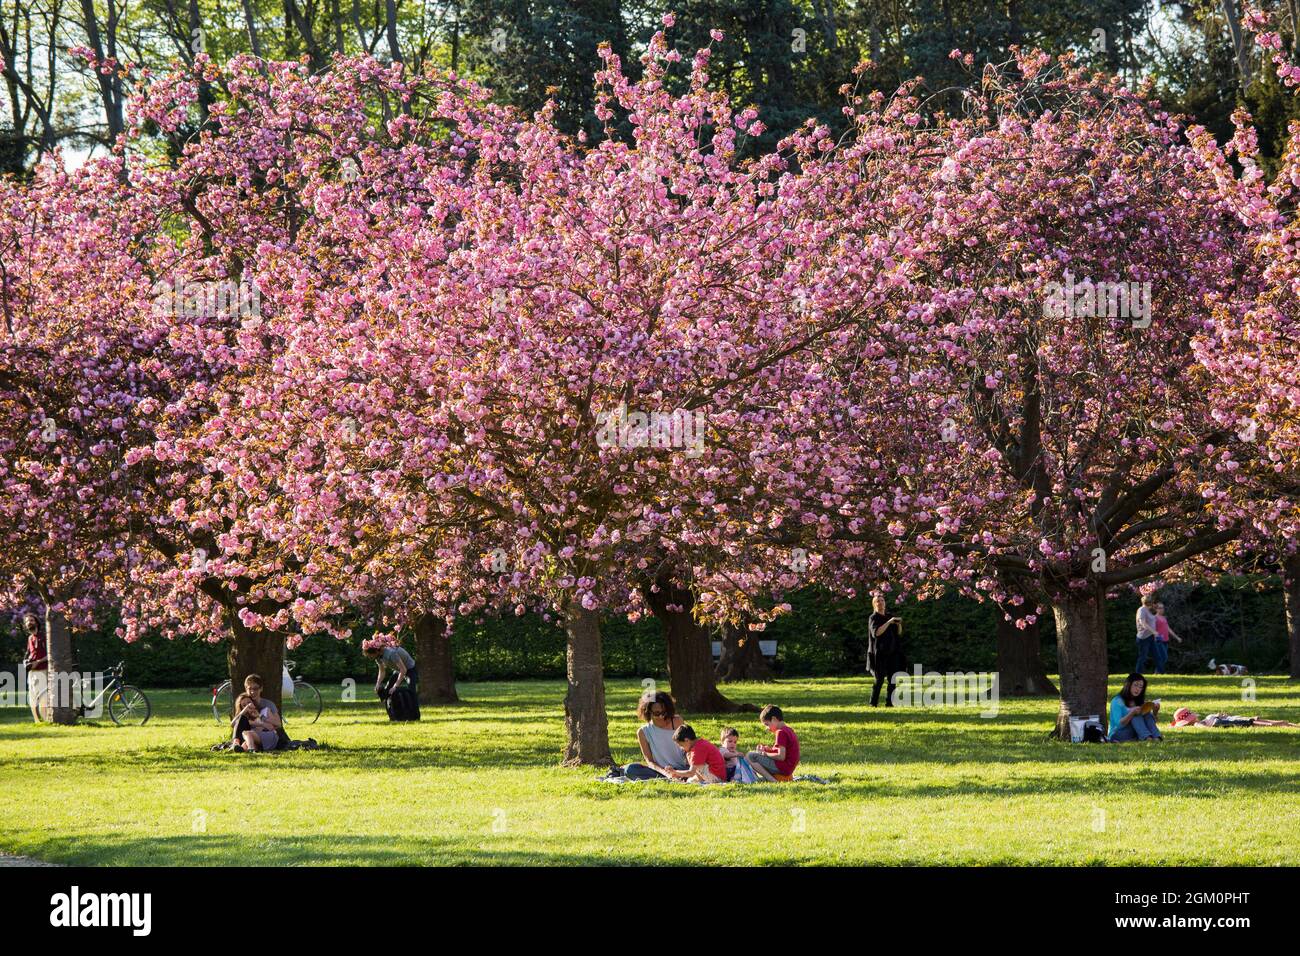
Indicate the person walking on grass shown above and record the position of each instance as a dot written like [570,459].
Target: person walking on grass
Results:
[884,650]
[1163,633]
[1146,631]
[780,757]
[1131,716]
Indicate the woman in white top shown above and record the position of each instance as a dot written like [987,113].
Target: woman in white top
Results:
[1146,631]
[658,749]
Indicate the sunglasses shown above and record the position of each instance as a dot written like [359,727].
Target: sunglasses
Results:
[656,713]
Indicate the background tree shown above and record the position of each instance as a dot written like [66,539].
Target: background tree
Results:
[1076,430]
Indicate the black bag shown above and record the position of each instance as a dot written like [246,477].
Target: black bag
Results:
[402,704]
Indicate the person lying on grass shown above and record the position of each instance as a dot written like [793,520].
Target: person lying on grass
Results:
[1131,716]
[782,756]
[704,761]
[1186,717]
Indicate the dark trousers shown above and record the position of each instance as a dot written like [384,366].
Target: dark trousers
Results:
[639,771]
[1146,649]
[412,675]
[889,694]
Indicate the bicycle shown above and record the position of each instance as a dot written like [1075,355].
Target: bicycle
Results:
[305,703]
[126,703]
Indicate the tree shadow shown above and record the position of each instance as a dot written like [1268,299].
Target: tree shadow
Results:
[273,849]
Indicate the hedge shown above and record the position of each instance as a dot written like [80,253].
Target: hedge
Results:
[1237,619]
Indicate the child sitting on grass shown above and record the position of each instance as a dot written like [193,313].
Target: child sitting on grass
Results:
[730,751]
[704,761]
[783,755]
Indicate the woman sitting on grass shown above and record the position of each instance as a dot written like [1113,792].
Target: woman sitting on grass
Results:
[659,750]
[1131,717]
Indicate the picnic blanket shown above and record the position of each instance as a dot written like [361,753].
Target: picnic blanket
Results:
[801,778]
[285,744]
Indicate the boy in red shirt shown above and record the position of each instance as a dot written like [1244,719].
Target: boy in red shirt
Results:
[782,756]
[705,760]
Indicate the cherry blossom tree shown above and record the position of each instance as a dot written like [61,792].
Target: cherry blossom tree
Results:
[1079,244]
[73,367]
[536,365]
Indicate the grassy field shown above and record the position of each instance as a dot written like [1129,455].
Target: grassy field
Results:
[479,783]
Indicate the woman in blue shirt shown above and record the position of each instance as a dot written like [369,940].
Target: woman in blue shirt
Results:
[1127,720]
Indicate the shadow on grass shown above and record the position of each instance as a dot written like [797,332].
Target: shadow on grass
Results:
[873,754]
[273,849]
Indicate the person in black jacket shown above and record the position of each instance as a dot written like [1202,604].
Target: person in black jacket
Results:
[884,650]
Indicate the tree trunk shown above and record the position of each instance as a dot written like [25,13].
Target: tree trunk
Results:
[62,667]
[255,652]
[1020,667]
[1081,647]
[585,721]
[433,657]
[741,658]
[690,652]
[1291,597]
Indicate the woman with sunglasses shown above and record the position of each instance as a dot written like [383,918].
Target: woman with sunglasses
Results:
[659,751]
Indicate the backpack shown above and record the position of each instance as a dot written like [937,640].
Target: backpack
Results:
[402,704]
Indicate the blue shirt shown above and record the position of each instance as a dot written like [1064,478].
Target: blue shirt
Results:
[1118,711]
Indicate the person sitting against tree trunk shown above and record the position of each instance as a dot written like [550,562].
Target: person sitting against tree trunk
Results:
[252,731]
[659,752]
[256,724]
[1186,717]
[394,657]
[37,663]
[1131,716]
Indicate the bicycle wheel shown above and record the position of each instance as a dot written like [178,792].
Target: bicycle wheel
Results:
[128,705]
[306,702]
[221,703]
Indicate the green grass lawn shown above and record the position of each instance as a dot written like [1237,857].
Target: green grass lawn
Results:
[479,783]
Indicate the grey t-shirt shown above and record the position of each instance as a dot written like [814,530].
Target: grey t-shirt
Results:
[392,654]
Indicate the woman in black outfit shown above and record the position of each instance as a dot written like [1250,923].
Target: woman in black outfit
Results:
[884,650]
